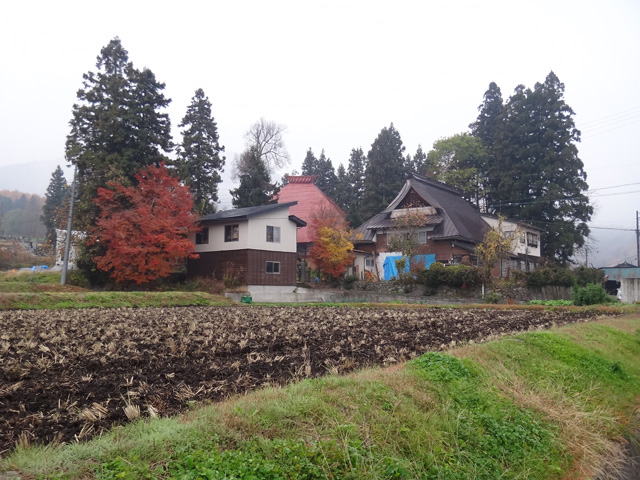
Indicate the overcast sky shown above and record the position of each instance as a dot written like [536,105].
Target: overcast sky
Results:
[337,72]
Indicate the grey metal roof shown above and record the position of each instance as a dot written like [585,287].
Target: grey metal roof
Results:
[456,218]
[245,213]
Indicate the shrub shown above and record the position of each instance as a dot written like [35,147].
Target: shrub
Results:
[453,276]
[349,281]
[492,298]
[590,294]
[586,275]
[550,276]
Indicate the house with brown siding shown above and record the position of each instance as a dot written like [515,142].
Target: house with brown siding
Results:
[449,227]
[255,245]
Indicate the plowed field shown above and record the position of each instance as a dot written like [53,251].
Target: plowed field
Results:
[66,375]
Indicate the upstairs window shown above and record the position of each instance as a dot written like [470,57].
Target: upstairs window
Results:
[231,233]
[202,237]
[533,240]
[273,234]
[423,237]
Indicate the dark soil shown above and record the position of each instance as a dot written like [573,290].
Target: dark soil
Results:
[68,375]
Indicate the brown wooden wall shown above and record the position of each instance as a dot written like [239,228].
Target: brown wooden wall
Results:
[249,266]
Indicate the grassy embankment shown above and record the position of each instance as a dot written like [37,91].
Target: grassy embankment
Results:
[27,290]
[531,406]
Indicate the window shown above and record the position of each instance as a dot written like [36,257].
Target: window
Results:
[368,262]
[231,233]
[273,234]
[532,239]
[423,237]
[202,237]
[273,267]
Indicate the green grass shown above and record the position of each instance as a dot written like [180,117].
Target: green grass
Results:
[551,303]
[63,300]
[45,277]
[531,406]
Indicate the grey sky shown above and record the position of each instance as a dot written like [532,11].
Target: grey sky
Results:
[336,73]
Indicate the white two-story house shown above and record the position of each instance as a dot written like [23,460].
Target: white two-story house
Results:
[253,245]
[525,245]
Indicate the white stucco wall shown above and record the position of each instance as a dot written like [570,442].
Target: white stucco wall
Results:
[258,232]
[253,234]
[519,247]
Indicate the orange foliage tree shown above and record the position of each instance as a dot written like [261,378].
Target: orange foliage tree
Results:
[332,250]
[144,229]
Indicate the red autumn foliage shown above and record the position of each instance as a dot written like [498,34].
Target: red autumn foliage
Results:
[145,228]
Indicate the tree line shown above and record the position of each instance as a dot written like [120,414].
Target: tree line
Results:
[519,157]
[20,215]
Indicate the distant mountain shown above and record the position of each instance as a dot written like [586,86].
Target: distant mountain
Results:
[33,177]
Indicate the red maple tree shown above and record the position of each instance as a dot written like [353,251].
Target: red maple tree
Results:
[145,228]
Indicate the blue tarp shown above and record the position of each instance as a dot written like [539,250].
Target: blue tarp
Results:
[391,271]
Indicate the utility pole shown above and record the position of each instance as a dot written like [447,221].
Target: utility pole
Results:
[637,241]
[67,244]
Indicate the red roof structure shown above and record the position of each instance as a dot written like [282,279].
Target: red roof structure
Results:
[312,202]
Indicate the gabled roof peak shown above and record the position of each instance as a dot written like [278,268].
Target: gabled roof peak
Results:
[435,183]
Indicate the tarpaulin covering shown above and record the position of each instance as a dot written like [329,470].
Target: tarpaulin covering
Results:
[391,271]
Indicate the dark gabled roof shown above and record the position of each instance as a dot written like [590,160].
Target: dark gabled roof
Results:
[456,218]
[248,212]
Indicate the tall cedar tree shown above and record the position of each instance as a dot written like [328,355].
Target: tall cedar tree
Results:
[327,179]
[355,174]
[536,175]
[485,128]
[199,160]
[116,126]
[323,168]
[255,182]
[417,163]
[145,228]
[56,197]
[310,163]
[384,175]
[342,191]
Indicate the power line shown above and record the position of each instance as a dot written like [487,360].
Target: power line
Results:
[604,119]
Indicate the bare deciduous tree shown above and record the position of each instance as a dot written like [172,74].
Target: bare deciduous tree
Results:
[266,137]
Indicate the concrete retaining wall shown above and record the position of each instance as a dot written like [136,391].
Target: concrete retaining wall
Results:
[630,289]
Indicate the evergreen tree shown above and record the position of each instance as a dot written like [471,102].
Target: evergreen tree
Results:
[343,194]
[536,174]
[116,126]
[310,163]
[485,126]
[199,155]
[355,174]
[327,179]
[419,162]
[384,175]
[255,182]
[56,196]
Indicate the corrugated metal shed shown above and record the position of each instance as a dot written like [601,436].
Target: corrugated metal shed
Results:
[625,270]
